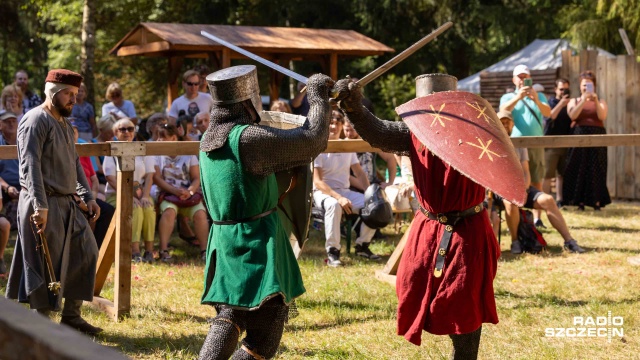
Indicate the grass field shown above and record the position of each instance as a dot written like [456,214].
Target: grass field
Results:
[348,314]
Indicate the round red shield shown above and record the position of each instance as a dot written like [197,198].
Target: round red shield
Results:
[464,131]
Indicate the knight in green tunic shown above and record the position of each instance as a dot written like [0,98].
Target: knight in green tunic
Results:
[251,273]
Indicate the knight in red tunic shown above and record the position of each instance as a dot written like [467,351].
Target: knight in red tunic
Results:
[445,278]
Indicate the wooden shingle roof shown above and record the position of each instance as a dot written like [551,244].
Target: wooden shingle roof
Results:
[163,39]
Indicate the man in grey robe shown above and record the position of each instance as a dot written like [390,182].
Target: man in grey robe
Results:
[50,176]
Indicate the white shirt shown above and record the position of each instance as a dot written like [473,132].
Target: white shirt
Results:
[144,166]
[335,168]
[176,170]
[202,102]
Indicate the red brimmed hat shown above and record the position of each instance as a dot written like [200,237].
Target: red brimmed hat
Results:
[63,76]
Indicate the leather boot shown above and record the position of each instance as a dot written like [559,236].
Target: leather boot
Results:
[71,317]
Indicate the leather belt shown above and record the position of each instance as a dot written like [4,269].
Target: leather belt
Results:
[50,193]
[245,220]
[449,220]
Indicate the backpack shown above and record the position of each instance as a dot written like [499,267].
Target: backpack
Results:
[530,238]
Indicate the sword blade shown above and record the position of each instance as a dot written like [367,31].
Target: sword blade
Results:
[403,55]
[255,57]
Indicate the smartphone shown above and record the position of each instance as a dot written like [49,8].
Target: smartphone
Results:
[528,82]
[589,87]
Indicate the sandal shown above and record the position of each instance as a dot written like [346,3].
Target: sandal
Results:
[165,256]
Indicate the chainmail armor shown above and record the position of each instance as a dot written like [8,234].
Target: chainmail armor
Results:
[265,150]
[389,136]
[465,346]
[263,327]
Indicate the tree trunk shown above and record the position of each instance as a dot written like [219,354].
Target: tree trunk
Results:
[88,48]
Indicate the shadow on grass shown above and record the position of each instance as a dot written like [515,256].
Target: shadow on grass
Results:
[154,344]
[615,229]
[330,353]
[545,300]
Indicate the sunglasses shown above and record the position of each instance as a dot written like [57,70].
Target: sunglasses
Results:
[192,84]
[116,95]
[127,129]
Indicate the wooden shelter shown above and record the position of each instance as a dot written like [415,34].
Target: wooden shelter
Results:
[277,44]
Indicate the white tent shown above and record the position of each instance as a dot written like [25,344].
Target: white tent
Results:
[539,55]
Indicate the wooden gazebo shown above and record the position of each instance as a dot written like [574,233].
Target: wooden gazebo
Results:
[278,44]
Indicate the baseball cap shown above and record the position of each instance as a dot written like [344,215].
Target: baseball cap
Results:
[7,115]
[521,69]
[504,114]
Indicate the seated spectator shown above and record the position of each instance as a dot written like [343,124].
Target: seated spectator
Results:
[203,70]
[11,100]
[178,177]
[202,123]
[105,134]
[118,106]
[368,160]
[144,213]
[5,229]
[154,123]
[536,199]
[332,193]
[85,117]
[29,98]
[100,226]
[280,106]
[9,169]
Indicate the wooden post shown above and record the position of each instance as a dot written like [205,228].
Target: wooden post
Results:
[226,58]
[175,65]
[388,273]
[106,257]
[333,66]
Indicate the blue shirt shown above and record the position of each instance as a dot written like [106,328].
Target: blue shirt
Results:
[9,169]
[127,109]
[82,113]
[525,122]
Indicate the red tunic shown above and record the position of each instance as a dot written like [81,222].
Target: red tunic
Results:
[462,299]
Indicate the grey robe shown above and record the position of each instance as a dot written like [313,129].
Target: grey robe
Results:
[50,172]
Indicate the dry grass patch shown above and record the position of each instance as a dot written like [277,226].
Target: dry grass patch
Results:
[348,314]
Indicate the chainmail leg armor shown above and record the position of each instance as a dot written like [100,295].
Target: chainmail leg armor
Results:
[389,136]
[465,346]
[265,150]
[264,329]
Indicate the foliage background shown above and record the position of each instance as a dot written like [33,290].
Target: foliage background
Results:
[41,34]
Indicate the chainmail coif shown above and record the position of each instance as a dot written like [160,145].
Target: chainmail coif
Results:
[265,150]
[389,136]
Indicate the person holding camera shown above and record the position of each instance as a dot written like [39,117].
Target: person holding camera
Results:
[528,108]
[558,123]
[585,180]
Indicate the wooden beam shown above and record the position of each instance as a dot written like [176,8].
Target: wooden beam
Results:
[25,335]
[391,267]
[106,306]
[226,58]
[391,279]
[175,65]
[626,42]
[106,257]
[333,66]
[124,210]
[146,49]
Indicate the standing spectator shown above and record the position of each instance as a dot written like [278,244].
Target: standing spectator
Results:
[12,100]
[144,214]
[193,101]
[51,174]
[203,70]
[178,177]
[202,123]
[558,123]
[585,180]
[528,108]
[9,169]
[300,103]
[331,193]
[29,98]
[118,106]
[155,122]
[85,117]
[536,199]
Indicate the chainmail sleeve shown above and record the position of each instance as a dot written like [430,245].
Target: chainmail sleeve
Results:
[389,136]
[265,150]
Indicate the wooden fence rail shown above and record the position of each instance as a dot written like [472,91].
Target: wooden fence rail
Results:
[116,246]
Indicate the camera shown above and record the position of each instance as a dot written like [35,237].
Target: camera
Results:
[528,82]
[566,92]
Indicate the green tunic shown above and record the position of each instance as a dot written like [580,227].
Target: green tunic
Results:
[247,263]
